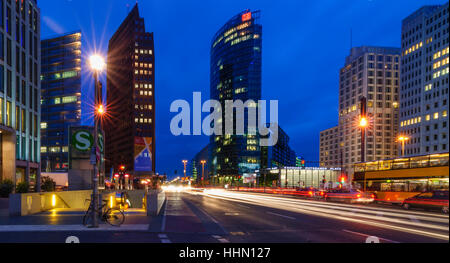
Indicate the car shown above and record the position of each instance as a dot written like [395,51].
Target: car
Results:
[434,200]
[349,196]
[310,193]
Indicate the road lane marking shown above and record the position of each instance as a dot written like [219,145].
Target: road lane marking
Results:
[231,214]
[221,239]
[368,236]
[275,214]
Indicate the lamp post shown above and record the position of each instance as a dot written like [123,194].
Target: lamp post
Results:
[185,164]
[363,123]
[402,140]
[203,171]
[97,64]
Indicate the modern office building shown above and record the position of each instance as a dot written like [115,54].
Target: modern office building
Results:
[130,122]
[424,81]
[371,73]
[20,91]
[60,99]
[279,155]
[236,75]
[197,169]
[330,156]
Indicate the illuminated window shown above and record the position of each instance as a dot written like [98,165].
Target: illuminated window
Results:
[43,125]
[55,149]
[65,149]
[436,115]
[43,149]
[69,99]
[57,101]
[427,117]
[444,113]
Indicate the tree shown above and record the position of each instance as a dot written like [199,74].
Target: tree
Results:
[47,184]
[6,188]
[22,187]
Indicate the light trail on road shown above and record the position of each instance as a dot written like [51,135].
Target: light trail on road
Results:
[433,225]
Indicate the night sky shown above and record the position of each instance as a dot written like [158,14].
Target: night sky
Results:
[304,46]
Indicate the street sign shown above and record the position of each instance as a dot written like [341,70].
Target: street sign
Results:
[82,140]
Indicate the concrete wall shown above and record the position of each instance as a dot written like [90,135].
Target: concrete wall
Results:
[32,203]
[155,201]
[80,176]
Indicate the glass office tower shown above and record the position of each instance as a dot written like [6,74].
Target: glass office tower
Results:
[61,98]
[236,75]
[19,91]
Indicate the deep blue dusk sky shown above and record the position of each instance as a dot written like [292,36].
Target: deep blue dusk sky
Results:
[304,45]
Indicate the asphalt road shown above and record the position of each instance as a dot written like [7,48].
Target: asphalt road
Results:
[224,217]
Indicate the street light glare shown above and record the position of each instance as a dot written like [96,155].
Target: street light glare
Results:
[363,122]
[101,109]
[97,62]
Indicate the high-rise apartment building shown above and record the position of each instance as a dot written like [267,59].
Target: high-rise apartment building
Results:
[236,75]
[329,148]
[424,81]
[130,122]
[20,91]
[61,98]
[372,73]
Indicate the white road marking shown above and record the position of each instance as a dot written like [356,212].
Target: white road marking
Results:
[368,236]
[221,239]
[275,214]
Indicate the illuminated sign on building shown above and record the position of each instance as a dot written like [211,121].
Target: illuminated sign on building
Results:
[246,16]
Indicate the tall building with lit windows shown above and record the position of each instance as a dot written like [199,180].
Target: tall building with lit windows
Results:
[424,81]
[235,74]
[130,120]
[373,73]
[329,148]
[60,98]
[20,91]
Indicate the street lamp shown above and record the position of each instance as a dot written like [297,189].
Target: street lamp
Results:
[402,140]
[185,164]
[363,124]
[97,64]
[203,162]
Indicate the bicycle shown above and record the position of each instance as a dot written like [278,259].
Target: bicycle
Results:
[114,217]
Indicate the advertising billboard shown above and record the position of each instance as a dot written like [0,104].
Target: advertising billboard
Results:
[143,154]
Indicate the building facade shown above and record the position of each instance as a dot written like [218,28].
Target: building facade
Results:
[424,81]
[236,75]
[197,169]
[130,122]
[279,155]
[61,98]
[372,73]
[330,156]
[20,91]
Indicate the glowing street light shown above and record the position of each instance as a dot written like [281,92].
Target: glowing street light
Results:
[402,139]
[363,123]
[97,62]
[185,164]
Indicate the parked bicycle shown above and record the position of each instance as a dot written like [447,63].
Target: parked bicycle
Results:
[113,216]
